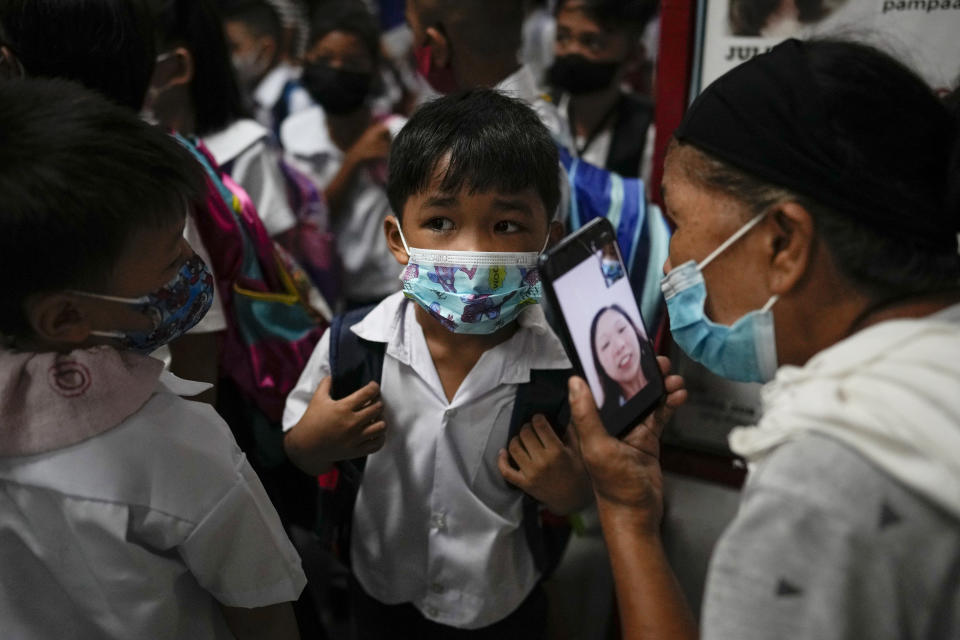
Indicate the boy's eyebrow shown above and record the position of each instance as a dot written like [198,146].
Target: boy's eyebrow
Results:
[510,204]
[442,202]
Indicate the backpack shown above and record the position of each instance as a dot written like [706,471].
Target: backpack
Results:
[271,326]
[642,232]
[353,363]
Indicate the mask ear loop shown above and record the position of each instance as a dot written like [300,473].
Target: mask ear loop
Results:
[406,247]
[742,231]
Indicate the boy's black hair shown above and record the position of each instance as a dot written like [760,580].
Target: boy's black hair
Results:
[493,142]
[616,15]
[259,16]
[196,25]
[79,176]
[106,45]
[350,17]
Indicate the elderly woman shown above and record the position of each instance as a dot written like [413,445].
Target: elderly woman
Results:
[814,195]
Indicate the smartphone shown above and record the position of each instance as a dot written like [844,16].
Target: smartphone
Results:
[592,308]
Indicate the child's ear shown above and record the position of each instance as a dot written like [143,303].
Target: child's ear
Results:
[391,229]
[176,69]
[56,317]
[439,47]
[557,231]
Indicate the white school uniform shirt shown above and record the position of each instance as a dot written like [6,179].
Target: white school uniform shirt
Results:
[270,90]
[522,85]
[244,147]
[435,523]
[370,271]
[140,531]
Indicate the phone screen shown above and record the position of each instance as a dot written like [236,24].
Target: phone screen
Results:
[603,326]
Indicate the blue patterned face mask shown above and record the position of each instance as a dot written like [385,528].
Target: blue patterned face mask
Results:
[474,292]
[174,309]
[745,351]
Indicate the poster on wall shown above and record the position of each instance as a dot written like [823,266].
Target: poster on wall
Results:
[924,34]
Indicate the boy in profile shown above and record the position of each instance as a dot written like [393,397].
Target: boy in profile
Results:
[444,386]
[125,510]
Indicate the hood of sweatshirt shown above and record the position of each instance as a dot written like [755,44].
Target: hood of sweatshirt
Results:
[891,392]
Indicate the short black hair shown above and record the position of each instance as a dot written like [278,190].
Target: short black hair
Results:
[260,17]
[493,142]
[197,25]
[350,17]
[616,15]
[79,176]
[106,45]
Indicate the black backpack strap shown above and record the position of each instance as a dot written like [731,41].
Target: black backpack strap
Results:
[545,393]
[354,362]
[281,109]
[634,116]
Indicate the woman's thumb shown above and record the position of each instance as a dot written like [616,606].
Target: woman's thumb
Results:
[583,410]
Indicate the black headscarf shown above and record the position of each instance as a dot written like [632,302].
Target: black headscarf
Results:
[769,117]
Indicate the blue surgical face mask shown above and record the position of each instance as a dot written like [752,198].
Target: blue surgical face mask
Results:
[174,309]
[474,292]
[745,351]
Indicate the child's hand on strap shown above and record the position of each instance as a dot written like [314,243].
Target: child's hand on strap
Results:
[332,430]
[546,468]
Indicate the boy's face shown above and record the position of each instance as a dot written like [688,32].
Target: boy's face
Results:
[578,34]
[152,258]
[252,55]
[464,221]
[341,50]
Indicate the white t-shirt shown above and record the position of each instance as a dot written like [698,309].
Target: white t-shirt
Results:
[140,531]
[435,524]
[244,149]
[370,271]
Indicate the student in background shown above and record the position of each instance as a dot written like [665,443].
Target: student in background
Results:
[255,34]
[125,510]
[195,94]
[476,43]
[597,43]
[343,144]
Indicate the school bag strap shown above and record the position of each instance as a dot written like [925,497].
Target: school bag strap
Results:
[545,393]
[354,362]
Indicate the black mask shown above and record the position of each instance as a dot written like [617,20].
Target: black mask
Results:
[576,74]
[336,90]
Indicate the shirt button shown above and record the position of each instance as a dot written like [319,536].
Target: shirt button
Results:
[436,587]
[451,413]
[431,612]
[438,521]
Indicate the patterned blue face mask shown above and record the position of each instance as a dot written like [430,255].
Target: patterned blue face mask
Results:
[474,292]
[174,309]
[745,351]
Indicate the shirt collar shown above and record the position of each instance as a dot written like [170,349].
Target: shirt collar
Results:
[305,134]
[521,84]
[270,89]
[536,345]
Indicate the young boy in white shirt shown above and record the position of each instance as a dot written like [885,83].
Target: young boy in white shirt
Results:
[125,511]
[440,543]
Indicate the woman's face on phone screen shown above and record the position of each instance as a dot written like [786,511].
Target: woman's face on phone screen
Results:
[618,347]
